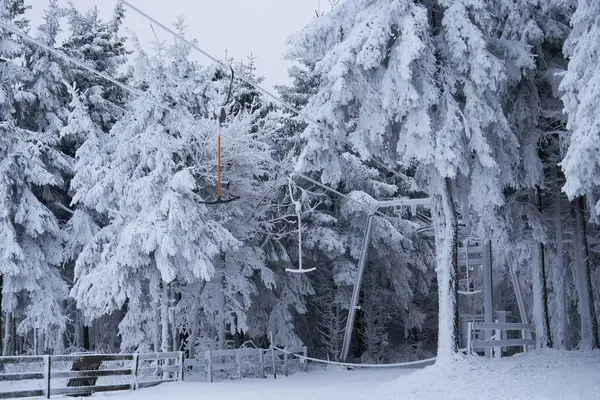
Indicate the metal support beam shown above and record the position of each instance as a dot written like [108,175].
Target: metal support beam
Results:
[362,262]
[412,203]
[517,288]
[525,334]
[356,292]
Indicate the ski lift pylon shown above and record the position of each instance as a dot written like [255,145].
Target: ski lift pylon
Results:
[298,206]
[221,116]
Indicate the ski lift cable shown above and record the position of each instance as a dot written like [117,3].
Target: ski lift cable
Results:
[159,104]
[353,365]
[264,91]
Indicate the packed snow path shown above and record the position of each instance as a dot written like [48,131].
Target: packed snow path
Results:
[542,375]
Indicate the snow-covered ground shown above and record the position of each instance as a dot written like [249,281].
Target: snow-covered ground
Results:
[541,375]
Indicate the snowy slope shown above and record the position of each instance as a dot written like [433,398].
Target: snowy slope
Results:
[540,375]
[544,375]
[335,383]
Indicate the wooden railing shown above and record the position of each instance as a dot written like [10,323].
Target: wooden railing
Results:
[85,374]
[496,341]
[81,372]
[246,362]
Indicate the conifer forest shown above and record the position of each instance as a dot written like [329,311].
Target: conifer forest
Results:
[124,228]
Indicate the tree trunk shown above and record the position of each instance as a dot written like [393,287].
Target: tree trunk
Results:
[82,331]
[558,275]
[174,332]
[588,275]
[42,344]
[191,339]
[157,321]
[164,317]
[85,333]
[453,222]
[549,342]
[157,326]
[13,335]
[587,311]
[1,314]
[446,232]
[540,289]
[6,339]
[221,327]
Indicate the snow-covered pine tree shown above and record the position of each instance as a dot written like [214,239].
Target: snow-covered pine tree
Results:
[95,105]
[535,112]
[364,90]
[166,251]
[428,91]
[32,169]
[531,110]
[474,139]
[296,307]
[581,85]
[99,44]
[330,319]
[48,112]
[147,192]
[377,313]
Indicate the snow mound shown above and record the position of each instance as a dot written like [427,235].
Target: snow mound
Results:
[539,375]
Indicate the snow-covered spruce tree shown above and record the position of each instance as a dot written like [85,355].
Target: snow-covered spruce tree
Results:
[99,44]
[96,105]
[328,234]
[581,84]
[432,92]
[274,305]
[327,314]
[363,90]
[165,251]
[144,181]
[31,170]
[475,72]
[534,111]
[375,71]
[321,244]
[376,312]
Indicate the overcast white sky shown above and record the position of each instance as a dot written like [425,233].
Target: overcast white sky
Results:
[238,26]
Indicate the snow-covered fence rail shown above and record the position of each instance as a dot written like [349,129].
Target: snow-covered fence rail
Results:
[33,362]
[78,374]
[245,362]
[497,341]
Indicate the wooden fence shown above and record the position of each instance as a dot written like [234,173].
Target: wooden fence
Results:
[78,374]
[85,374]
[497,341]
[241,363]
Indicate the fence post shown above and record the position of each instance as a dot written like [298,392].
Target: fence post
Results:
[47,373]
[238,360]
[209,368]
[285,364]
[134,371]
[261,359]
[469,337]
[497,336]
[305,354]
[524,335]
[182,366]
